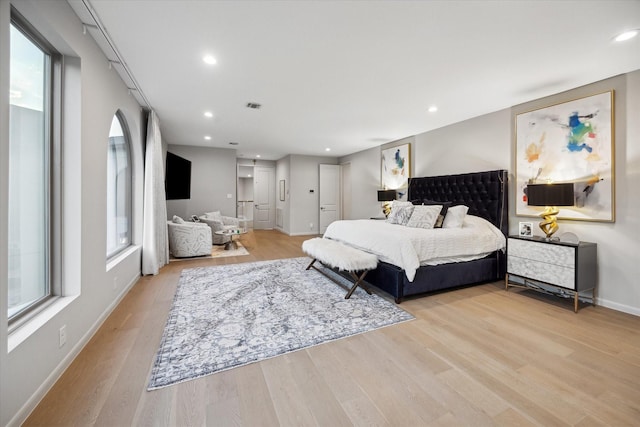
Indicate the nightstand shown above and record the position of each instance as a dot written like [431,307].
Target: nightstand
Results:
[564,269]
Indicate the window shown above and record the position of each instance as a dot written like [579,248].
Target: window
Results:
[30,173]
[118,188]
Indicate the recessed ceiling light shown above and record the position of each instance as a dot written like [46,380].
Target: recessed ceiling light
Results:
[207,137]
[258,155]
[208,59]
[432,109]
[249,175]
[327,149]
[208,114]
[626,35]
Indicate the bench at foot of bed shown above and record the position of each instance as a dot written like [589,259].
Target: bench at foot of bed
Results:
[344,258]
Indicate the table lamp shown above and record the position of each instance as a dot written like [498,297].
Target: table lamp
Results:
[550,196]
[386,196]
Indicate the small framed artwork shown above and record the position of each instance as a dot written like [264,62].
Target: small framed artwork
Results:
[526,229]
[282,192]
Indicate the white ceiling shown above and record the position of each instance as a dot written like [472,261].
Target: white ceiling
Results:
[350,75]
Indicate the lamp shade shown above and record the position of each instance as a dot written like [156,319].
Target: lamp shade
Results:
[550,194]
[386,195]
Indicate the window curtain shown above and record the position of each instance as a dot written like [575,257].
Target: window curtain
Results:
[155,243]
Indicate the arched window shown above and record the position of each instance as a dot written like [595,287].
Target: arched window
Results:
[118,187]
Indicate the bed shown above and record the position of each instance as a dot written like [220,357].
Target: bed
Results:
[485,193]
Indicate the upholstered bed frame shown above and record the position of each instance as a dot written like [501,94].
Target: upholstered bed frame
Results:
[485,193]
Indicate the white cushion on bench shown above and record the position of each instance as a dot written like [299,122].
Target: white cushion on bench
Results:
[336,255]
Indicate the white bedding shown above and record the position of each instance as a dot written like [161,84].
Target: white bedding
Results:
[409,248]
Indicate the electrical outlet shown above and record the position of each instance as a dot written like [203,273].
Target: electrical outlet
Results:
[62,337]
[311,225]
[229,196]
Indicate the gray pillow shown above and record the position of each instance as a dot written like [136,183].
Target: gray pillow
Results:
[400,213]
[443,212]
[424,216]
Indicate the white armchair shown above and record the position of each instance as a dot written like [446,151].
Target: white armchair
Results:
[188,239]
[218,222]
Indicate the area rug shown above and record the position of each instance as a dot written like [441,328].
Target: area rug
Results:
[217,251]
[228,316]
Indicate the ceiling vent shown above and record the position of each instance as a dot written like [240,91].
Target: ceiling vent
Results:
[253,105]
[233,143]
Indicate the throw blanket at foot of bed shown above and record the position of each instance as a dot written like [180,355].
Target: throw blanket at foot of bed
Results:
[344,258]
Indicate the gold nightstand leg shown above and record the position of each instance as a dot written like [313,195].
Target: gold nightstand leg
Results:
[575,302]
[506,281]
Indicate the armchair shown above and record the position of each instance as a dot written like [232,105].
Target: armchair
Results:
[218,222]
[188,239]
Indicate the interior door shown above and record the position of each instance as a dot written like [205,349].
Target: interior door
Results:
[329,188]
[264,198]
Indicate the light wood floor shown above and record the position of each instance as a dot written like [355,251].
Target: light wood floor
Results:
[475,356]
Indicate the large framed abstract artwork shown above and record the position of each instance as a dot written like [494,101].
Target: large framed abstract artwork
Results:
[396,168]
[569,142]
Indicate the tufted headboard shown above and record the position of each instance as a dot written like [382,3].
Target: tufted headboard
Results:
[485,193]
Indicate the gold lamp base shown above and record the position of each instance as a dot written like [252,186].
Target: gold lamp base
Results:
[549,225]
[386,208]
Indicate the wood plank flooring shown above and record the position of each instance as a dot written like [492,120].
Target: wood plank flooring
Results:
[474,356]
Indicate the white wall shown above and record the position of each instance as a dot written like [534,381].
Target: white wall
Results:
[213,177]
[486,143]
[28,370]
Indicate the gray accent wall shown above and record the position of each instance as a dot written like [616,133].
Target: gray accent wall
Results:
[303,206]
[365,183]
[481,143]
[213,178]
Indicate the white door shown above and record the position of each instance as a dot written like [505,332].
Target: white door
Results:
[264,198]
[329,195]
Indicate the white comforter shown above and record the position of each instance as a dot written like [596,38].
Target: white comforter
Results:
[409,248]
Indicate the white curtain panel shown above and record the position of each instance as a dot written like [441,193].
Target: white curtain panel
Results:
[155,243]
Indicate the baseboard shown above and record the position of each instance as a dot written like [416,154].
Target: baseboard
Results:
[306,233]
[21,416]
[618,307]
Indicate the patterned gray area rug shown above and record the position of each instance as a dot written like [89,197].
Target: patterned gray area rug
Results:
[228,316]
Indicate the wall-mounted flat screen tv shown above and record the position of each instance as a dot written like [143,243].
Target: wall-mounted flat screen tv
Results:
[177,181]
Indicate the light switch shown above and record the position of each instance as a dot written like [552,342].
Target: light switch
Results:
[229,196]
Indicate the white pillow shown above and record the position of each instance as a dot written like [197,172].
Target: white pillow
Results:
[455,216]
[177,220]
[400,212]
[424,216]
[214,216]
